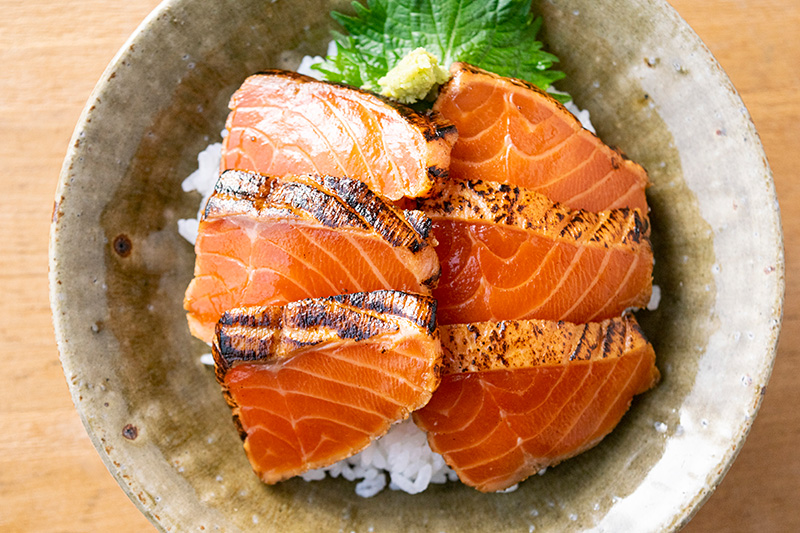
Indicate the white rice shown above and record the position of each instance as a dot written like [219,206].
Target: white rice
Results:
[401,459]
[402,455]
[655,299]
[201,180]
[581,114]
[307,61]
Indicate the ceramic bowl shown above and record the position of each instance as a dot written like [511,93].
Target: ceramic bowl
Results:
[155,413]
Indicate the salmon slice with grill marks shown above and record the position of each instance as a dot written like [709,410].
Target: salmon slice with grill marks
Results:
[511,132]
[315,381]
[285,123]
[268,241]
[508,253]
[519,396]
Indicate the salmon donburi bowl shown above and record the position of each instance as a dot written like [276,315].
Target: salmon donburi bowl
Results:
[638,289]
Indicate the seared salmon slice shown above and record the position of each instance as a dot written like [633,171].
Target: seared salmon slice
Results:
[269,241]
[509,253]
[283,123]
[315,381]
[511,132]
[519,396]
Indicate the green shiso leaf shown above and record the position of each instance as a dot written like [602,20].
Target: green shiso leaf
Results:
[496,35]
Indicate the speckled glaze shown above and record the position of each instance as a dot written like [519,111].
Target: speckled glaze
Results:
[118,271]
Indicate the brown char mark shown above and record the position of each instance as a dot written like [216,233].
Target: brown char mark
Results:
[416,308]
[431,281]
[438,173]
[633,327]
[329,210]
[361,315]
[237,422]
[437,128]
[641,227]
[237,191]
[345,322]
[581,346]
[344,202]
[637,224]
[432,125]
[611,335]
[574,229]
[258,317]
[254,334]
[249,185]
[333,202]
[421,223]
[376,212]
[529,210]
[244,335]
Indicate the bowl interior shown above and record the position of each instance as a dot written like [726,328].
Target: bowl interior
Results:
[155,413]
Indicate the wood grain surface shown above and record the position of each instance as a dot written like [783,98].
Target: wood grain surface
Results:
[52,53]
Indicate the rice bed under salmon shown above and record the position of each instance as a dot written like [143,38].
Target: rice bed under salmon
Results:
[401,459]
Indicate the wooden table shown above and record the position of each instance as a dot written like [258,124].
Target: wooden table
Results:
[52,53]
